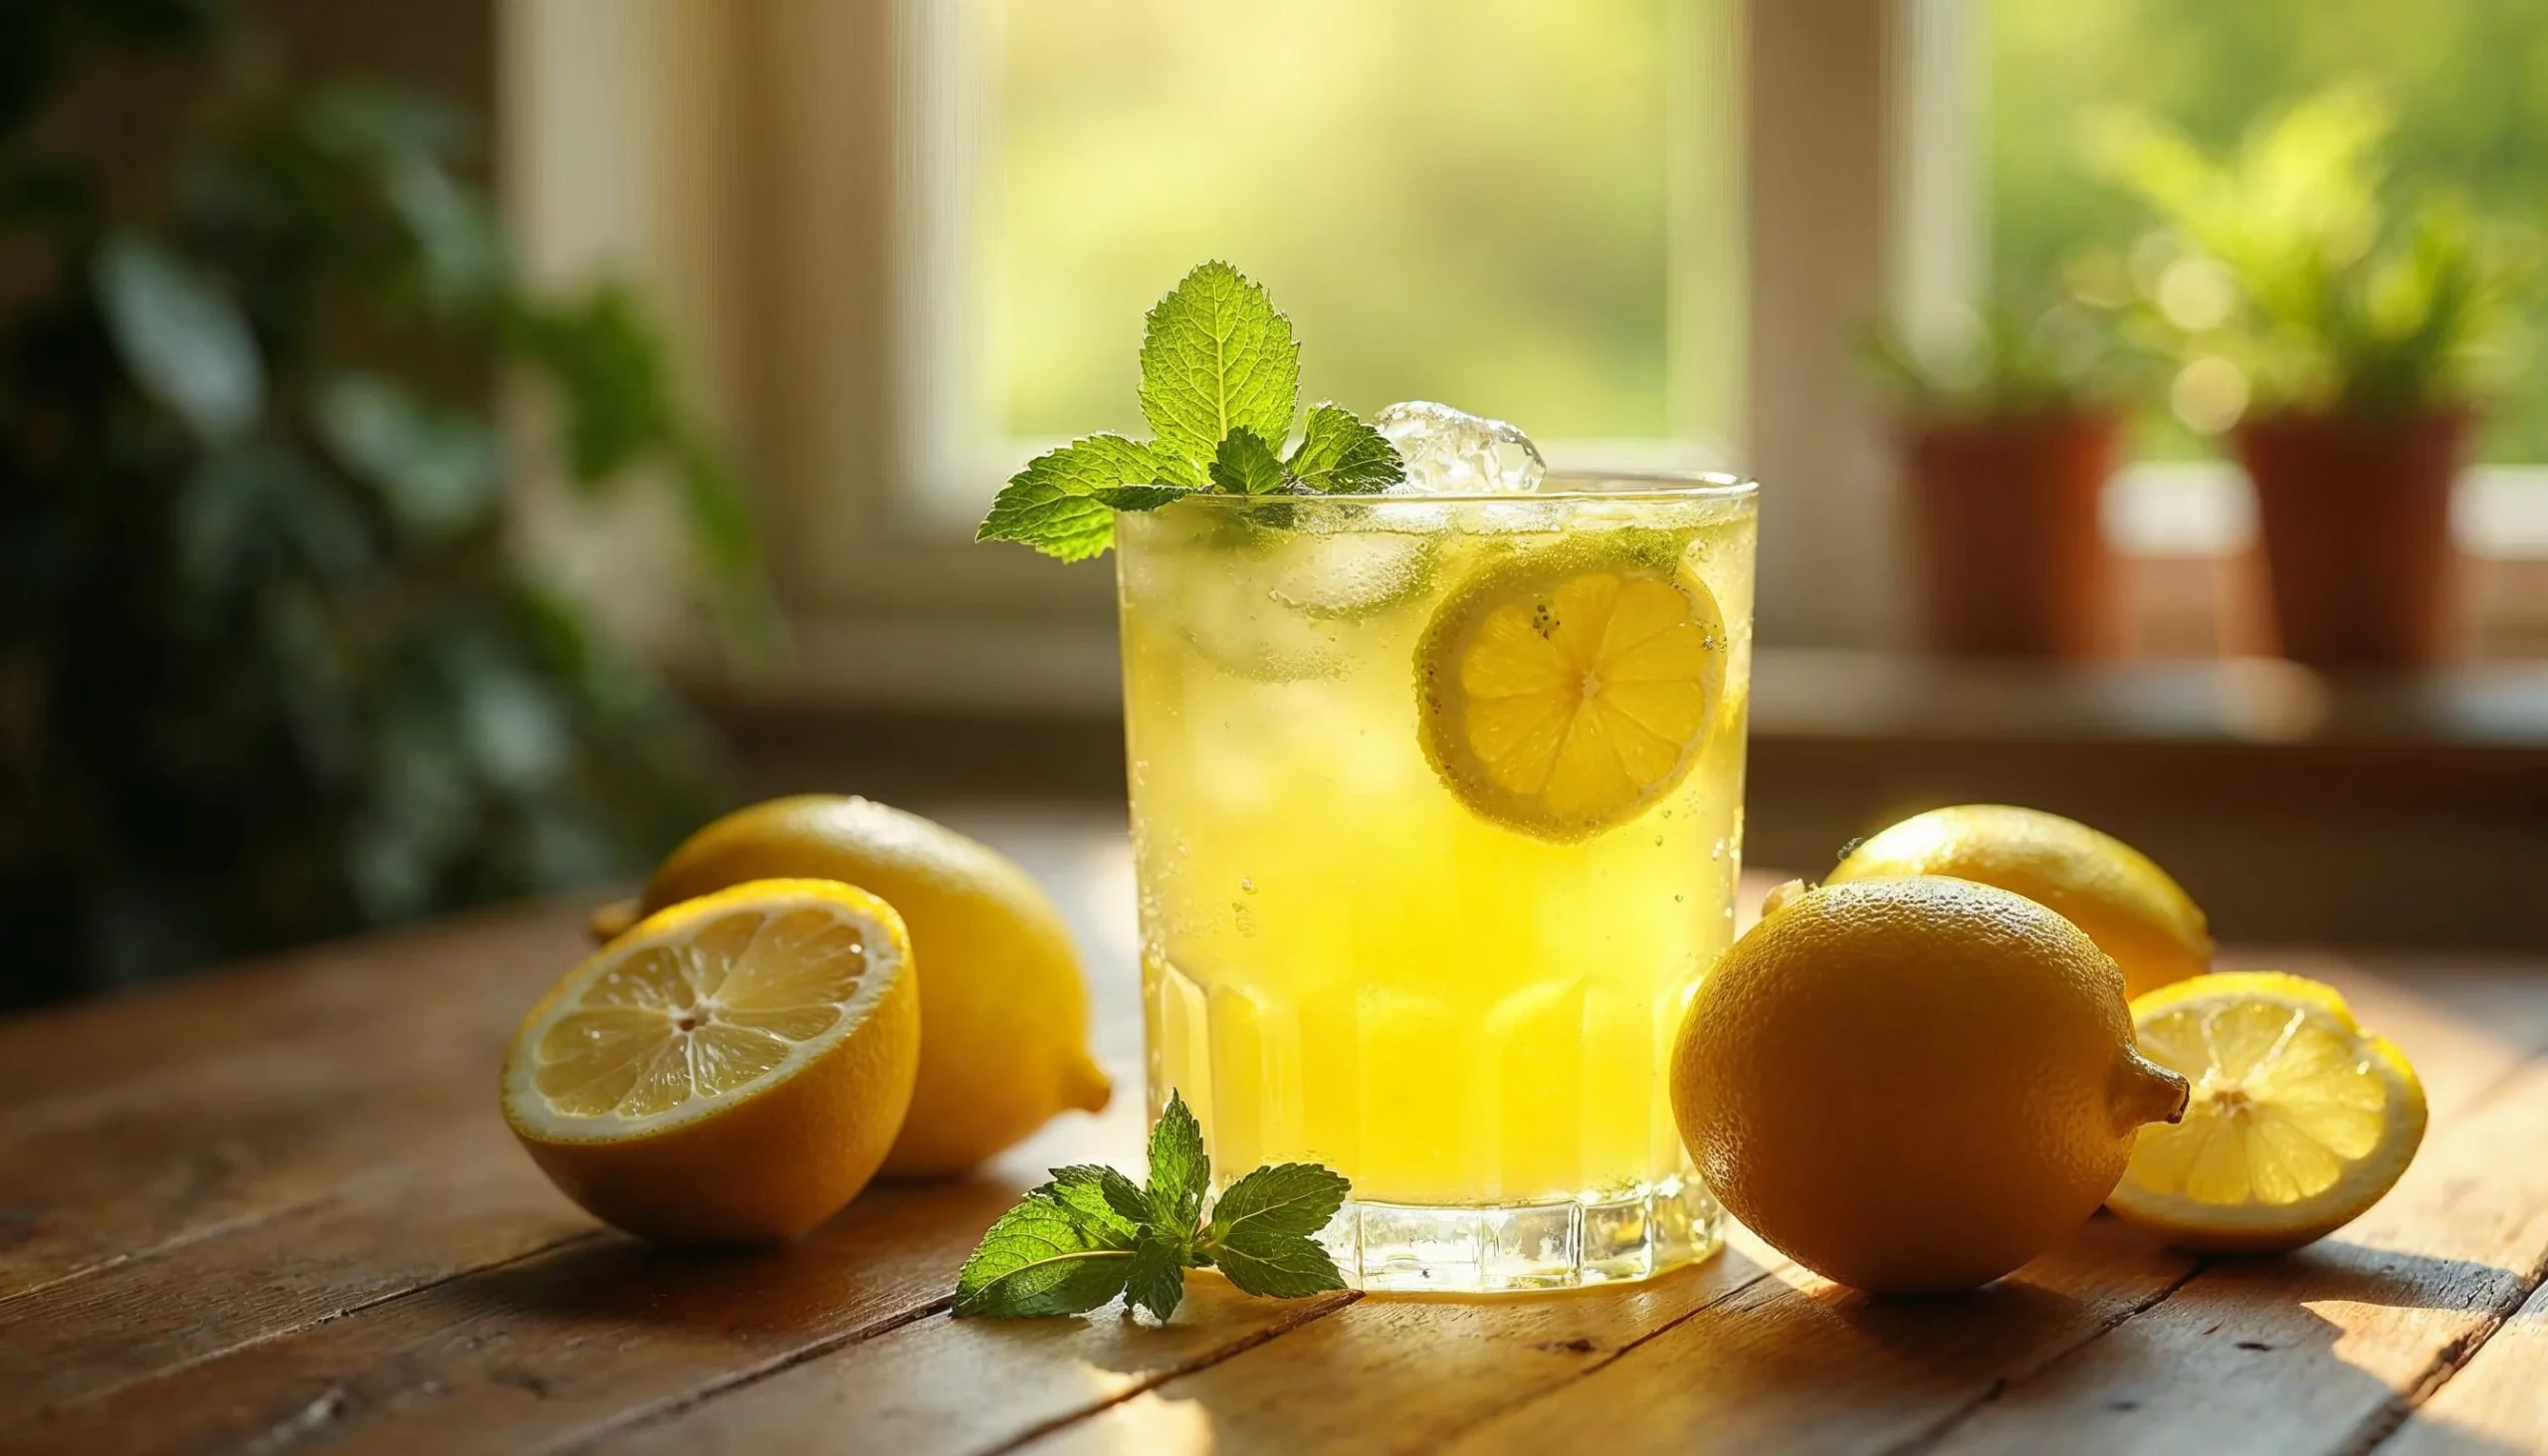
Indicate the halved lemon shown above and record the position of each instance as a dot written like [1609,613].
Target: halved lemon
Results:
[2299,1119]
[732,1068]
[1565,692]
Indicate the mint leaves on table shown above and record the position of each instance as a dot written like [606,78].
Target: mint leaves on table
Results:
[1092,1234]
[1221,381]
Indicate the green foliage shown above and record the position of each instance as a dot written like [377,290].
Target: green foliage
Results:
[1220,378]
[1092,1234]
[1216,357]
[2284,260]
[269,669]
[1059,504]
[1340,454]
[1540,190]
[2006,361]
[1245,464]
[2467,79]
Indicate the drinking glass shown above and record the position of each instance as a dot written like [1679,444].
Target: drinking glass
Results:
[1438,809]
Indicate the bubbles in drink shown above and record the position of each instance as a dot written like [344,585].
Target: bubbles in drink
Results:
[1453,452]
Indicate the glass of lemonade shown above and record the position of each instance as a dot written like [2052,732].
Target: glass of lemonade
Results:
[1437,803]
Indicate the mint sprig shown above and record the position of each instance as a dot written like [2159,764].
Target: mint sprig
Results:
[1092,1234]
[1220,382]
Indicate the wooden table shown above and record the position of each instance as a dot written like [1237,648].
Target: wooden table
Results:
[274,1209]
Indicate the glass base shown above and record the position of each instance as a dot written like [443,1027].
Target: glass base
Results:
[1505,1248]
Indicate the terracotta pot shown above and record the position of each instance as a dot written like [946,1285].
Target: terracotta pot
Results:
[2008,554]
[2355,515]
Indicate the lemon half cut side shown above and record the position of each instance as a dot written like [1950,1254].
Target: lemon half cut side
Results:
[2299,1119]
[1564,693]
[732,1068]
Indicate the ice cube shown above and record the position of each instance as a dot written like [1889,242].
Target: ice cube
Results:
[1453,452]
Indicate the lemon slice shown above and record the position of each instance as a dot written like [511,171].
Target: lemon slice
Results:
[2299,1119]
[1565,692]
[732,1068]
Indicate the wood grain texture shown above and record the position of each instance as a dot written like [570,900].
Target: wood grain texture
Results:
[2496,1402]
[274,1210]
[220,1105]
[2325,1349]
[576,1340]
[1408,1372]
[1797,1364]
[920,1390]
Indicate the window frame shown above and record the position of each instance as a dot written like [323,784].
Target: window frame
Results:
[793,304]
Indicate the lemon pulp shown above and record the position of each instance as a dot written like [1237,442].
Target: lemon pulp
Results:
[2298,1120]
[704,1014]
[1563,696]
[732,1068]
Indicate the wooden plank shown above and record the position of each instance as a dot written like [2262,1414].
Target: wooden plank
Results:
[384,1235]
[184,1156]
[946,1385]
[1797,1364]
[463,967]
[379,1054]
[579,1341]
[2497,1402]
[1407,1372]
[2324,1347]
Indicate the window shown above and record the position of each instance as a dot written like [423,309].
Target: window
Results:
[2467,81]
[1524,209]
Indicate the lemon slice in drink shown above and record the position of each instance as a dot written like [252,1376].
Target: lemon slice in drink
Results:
[2299,1119]
[732,1068]
[1565,692]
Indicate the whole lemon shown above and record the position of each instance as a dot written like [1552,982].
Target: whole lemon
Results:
[1912,1086]
[1004,1008]
[2105,886]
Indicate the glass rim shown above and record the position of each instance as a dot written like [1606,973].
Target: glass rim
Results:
[1662,487]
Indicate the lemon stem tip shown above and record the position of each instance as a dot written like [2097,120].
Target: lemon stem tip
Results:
[1087,1087]
[2146,1092]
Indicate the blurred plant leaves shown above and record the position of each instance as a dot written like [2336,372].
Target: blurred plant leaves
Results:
[439,472]
[2338,293]
[604,364]
[269,666]
[258,511]
[185,342]
[381,123]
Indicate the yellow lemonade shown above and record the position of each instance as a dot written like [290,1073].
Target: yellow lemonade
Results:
[1437,807]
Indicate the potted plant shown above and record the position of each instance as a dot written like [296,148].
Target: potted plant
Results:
[272,664]
[2343,343]
[2007,431]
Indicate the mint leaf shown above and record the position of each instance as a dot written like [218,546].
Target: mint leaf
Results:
[1282,1267]
[1140,497]
[1246,466]
[1216,357]
[1286,1200]
[1260,1235]
[1102,1199]
[1092,1234]
[1338,455]
[1178,470]
[1157,1279]
[1179,1168]
[1040,1259]
[1051,505]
